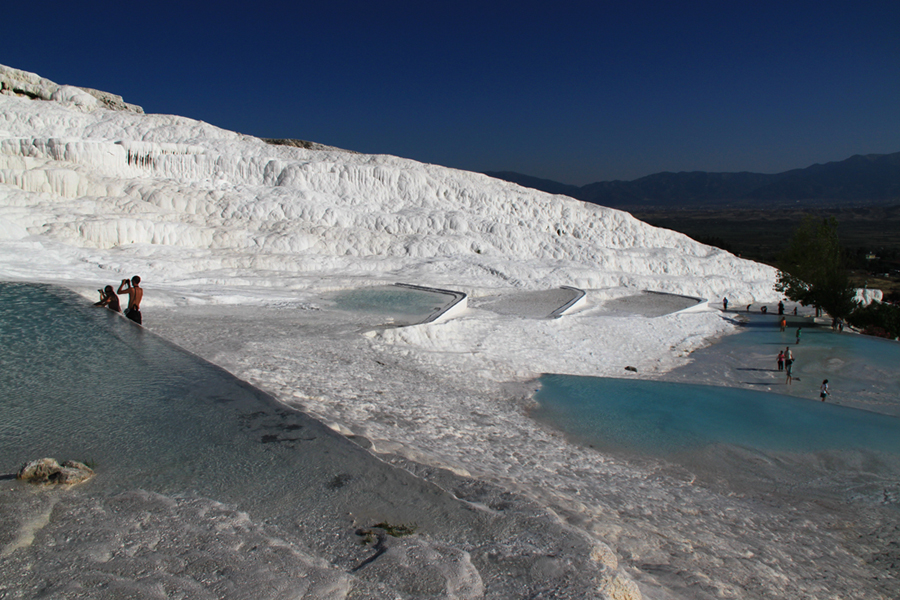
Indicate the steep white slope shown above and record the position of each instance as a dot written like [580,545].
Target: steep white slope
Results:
[138,184]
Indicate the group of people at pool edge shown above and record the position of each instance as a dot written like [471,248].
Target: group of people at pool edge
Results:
[786,361]
[763,309]
[132,287]
[785,358]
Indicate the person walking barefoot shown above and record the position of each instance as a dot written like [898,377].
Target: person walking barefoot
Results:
[789,366]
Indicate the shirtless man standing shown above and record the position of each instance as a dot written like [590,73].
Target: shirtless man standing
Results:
[135,295]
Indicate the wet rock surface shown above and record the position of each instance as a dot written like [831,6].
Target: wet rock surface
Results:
[49,471]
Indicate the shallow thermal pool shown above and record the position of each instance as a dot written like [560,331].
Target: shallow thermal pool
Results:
[724,431]
[862,370]
[398,305]
[206,487]
[646,304]
[662,418]
[82,383]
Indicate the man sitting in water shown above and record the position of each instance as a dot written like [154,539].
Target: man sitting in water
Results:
[109,299]
[135,295]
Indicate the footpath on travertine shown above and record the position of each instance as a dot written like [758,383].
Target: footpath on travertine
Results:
[748,360]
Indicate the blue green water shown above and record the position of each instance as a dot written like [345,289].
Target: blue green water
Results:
[404,305]
[83,383]
[79,382]
[849,361]
[663,419]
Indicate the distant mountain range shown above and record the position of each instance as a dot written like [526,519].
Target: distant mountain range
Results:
[872,179]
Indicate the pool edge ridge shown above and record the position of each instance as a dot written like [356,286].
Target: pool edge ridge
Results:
[455,307]
[577,300]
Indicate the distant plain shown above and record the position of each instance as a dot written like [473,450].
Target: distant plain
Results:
[761,234]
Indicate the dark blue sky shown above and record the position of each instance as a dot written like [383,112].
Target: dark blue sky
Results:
[572,91]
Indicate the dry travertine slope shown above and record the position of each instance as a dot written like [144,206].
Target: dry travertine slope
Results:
[141,185]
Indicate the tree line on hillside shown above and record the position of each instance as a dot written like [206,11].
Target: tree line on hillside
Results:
[812,271]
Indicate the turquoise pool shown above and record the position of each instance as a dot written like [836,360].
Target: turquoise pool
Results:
[395,304]
[80,382]
[863,372]
[739,440]
[662,419]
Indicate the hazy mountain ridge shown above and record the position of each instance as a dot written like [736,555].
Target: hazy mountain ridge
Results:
[858,180]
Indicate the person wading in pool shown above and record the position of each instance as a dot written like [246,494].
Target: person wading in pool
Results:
[109,299]
[789,366]
[135,295]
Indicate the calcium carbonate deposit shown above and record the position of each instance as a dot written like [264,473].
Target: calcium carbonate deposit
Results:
[240,245]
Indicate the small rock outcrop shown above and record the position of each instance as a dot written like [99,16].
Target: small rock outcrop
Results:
[48,471]
[15,82]
[305,145]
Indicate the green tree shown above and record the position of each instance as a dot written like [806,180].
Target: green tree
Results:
[878,318]
[811,271]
